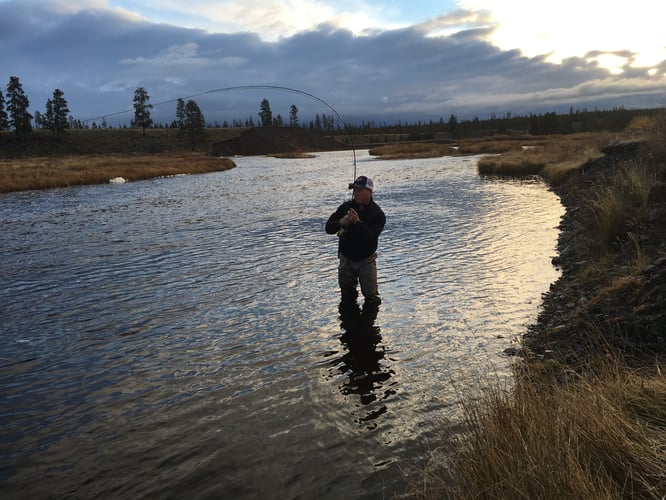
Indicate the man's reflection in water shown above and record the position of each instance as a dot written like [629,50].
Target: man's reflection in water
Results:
[362,363]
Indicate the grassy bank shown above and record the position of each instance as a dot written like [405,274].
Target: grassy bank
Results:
[586,417]
[467,147]
[553,159]
[600,434]
[52,172]
[40,160]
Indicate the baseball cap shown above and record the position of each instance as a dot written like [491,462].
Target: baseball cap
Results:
[362,182]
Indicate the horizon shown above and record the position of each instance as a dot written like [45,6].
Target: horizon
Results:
[372,60]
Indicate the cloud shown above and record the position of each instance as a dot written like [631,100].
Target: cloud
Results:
[562,29]
[269,20]
[448,65]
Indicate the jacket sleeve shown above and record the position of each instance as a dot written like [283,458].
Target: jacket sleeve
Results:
[366,233]
[332,224]
[371,228]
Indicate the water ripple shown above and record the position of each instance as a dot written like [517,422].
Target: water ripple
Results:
[182,335]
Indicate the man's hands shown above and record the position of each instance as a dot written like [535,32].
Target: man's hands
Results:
[349,219]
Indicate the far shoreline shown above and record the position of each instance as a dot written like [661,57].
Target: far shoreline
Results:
[36,173]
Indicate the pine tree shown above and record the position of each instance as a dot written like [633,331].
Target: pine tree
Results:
[293,116]
[17,107]
[194,122]
[180,111]
[55,117]
[142,109]
[180,117]
[4,121]
[38,119]
[265,113]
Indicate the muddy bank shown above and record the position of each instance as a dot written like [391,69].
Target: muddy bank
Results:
[614,300]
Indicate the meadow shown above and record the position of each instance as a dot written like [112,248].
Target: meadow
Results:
[94,156]
[55,172]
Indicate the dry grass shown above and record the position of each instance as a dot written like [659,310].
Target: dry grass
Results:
[596,432]
[494,146]
[295,156]
[600,435]
[469,147]
[621,207]
[412,150]
[52,172]
[554,159]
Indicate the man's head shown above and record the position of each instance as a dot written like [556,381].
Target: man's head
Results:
[362,187]
[362,182]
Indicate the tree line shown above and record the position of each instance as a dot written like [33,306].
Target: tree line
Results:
[15,114]
[190,121]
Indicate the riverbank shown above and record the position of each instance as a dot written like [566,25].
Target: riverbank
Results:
[20,174]
[612,253]
[586,417]
[82,157]
[42,160]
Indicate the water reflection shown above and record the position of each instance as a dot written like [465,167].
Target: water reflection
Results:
[141,316]
[363,364]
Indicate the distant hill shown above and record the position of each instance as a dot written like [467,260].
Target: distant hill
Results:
[106,141]
[217,141]
[274,140]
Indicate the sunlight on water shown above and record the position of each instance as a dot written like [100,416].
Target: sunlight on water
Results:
[182,335]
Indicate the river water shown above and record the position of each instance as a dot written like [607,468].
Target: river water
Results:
[180,337]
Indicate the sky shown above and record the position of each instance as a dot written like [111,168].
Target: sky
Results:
[378,61]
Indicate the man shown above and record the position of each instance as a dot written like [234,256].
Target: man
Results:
[358,224]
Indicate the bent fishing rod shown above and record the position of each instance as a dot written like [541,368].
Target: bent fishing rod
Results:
[258,87]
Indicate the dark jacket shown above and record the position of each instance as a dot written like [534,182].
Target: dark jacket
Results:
[357,241]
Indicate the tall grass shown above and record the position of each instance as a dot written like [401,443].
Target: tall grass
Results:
[554,159]
[595,428]
[601,435]
[621,206]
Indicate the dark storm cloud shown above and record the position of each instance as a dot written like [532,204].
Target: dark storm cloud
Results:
[98,58]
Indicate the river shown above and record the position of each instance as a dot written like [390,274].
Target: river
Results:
[180,337]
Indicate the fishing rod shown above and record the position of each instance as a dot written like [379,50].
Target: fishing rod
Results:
[258,87]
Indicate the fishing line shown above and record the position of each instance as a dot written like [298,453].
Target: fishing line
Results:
[255,87]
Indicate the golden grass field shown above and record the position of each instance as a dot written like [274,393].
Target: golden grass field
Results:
[93,156]
[52,172]
[80,157]
[468,147]
[551,157]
